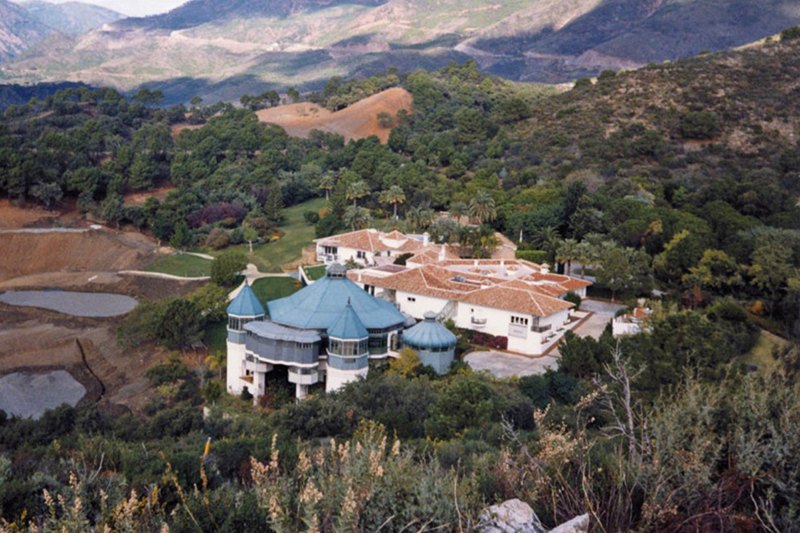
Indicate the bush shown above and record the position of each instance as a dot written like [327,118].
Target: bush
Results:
[574,298]
[790,34]
[218,238]
[700,125]
[226,268]
[312,217]
[534,256]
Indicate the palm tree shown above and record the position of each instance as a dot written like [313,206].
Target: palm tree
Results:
[357,190]
[394,196]
[420,217]
[566,253]
[458,210]
[327,184]
[482,207]
[547,239]
[356,217]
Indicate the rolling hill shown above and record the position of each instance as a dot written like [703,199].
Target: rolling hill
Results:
[220,50]
[18,30]
[70,18]
[353,122]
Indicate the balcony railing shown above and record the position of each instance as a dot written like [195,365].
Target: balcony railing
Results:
[541,329]
[303,376]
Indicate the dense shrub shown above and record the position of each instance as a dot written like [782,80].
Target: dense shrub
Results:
[700,125]
[534,256]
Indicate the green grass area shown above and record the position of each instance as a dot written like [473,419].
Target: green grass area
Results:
[273,288]
[189,266]
[298,234]
[315,272]
[761,354]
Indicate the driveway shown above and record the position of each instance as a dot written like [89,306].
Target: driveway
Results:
[506,365]
[603,312]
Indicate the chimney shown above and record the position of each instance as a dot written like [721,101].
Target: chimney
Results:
[426,238]
[545,268]
[442,254]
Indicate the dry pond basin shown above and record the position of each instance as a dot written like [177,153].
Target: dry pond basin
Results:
[82,304]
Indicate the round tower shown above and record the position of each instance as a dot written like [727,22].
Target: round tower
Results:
[348,350]
[243,309]
[435,344]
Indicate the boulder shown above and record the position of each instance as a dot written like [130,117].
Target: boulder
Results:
[512,516]
[579,524]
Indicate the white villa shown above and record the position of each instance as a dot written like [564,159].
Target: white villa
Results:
[519,300]
[369,247]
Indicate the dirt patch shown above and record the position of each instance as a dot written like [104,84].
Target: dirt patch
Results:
[355,122]
[176,129]
[23,254]
[139,198]
[12,216]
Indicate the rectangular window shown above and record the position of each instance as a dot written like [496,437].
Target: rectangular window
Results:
[519,320]
[361,254]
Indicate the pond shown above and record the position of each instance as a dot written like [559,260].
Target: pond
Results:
[29,395]
[84,304]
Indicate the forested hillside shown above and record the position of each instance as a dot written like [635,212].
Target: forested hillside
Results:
[682,177]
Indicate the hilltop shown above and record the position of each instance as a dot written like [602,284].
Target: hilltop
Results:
[357,121]
[18,30]
[220,51]
[70,18]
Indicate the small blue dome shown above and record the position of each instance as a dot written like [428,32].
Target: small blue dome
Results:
[246,304]
[429,334]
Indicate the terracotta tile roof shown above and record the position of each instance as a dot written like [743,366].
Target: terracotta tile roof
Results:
[438,282]
[372,240]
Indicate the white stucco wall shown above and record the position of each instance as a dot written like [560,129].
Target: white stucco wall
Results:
[336,379]
[235,368]
[420,305]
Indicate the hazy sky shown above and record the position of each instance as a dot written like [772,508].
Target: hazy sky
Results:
[133,8]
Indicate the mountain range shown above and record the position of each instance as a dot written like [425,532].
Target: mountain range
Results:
[222,49]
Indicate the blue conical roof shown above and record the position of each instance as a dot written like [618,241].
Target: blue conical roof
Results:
[321,304]
[429,334]
[349,326]
[246,303]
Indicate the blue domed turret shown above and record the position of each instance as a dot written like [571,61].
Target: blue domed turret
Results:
[243,309]
[435,344]
[246,304]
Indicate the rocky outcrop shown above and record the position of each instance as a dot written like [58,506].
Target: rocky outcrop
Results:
[516,516]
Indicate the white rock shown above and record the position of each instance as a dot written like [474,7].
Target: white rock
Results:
[579,524]
[512,516]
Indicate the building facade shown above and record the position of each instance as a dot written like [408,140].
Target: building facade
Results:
[327,332]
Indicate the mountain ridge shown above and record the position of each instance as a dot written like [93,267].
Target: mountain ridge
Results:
[70,18]
[252,46]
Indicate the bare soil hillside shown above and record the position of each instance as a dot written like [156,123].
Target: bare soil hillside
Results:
[22,254]
[354,122]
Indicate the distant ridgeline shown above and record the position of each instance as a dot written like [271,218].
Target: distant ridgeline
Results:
[21,94]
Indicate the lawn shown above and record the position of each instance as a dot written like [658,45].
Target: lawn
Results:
[268,289]
[315,272]
[298,234]
[761,354]
[189,266]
